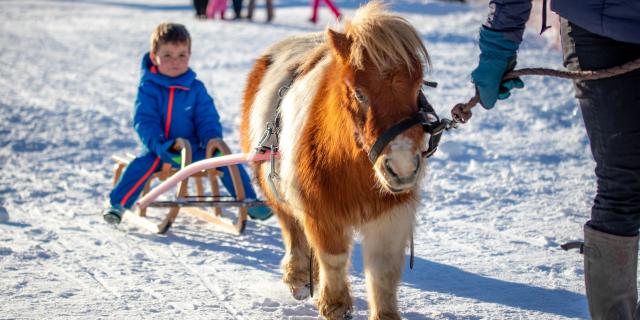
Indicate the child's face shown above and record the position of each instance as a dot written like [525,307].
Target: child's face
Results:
[172,59]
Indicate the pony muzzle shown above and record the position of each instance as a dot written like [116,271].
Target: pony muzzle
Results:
[399,172]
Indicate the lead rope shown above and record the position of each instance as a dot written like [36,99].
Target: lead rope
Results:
[311,272]
[461,112]
[411,252]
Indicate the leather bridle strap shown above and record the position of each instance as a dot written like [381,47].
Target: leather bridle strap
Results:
[391,133]
[425,116]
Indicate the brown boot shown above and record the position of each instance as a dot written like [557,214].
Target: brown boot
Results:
[610,269]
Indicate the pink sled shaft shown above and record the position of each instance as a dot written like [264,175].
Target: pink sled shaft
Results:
[196,167]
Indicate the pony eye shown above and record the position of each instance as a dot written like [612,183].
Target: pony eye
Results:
[360,96]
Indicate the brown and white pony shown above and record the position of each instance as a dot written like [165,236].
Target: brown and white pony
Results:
[343,90]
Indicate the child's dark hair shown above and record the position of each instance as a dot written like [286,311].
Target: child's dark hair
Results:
[168,32]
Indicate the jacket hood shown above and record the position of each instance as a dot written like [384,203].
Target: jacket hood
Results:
[151,73]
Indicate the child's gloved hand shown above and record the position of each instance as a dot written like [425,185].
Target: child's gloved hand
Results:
[164,152]
[497,57]
[177,159]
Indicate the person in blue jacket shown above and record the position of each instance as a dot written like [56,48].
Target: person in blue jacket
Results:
[595,34]
[171,103]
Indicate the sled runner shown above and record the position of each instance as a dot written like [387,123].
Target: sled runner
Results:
[229,213]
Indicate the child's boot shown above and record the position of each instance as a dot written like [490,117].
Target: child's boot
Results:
[260,212]
[113,214]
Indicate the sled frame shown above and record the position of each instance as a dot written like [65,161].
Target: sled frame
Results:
[196,208]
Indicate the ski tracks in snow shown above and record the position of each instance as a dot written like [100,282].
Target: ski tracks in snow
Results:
[212,287]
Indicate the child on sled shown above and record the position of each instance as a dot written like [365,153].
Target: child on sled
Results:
[171,103]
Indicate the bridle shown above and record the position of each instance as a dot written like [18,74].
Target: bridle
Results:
[426,117]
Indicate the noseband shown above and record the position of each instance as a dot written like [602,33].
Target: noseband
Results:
[426,117]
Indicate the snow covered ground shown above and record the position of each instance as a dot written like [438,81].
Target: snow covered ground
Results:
[502,193]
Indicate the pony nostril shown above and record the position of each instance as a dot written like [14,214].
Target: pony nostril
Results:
[387,166]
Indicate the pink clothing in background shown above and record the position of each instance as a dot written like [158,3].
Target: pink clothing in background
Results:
[216,6]
[316,4]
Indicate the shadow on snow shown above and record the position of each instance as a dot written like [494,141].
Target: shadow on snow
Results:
[255,249]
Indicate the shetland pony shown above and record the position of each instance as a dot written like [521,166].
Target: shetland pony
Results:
[343,90]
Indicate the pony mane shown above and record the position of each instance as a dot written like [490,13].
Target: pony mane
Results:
[388,39]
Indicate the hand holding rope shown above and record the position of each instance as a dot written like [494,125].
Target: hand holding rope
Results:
[461,112]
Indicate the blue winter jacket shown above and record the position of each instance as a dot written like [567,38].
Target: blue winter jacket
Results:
[615,19]
[167,108]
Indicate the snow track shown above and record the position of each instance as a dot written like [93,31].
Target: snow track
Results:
[213,288]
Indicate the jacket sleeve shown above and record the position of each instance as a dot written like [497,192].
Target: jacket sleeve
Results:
[207,119]
[509,16]
[147,119]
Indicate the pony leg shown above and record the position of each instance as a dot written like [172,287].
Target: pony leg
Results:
[334,301]
[383,246]
[332,247]
[295,263]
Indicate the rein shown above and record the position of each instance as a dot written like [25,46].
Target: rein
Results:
[461,112]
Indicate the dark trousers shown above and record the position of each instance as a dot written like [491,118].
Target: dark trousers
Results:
[611,112]
[252,7]
[201,7]
[237,8]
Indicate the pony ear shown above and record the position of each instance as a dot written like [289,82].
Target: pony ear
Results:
[341,44]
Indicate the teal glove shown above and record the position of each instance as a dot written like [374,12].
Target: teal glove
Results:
[497,57]
[163,151]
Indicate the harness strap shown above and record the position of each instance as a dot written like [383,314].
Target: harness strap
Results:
[391,133]
[311,272]
[436,130]
[544,17]
[411,252]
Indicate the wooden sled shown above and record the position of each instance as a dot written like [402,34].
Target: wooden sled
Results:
[193,204]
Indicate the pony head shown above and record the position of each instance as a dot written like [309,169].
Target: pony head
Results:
[381,60]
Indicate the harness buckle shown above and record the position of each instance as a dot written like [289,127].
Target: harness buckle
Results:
[272,176]
[283,91]
[270,134]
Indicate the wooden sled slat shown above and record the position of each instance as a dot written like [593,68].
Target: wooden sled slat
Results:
[140,222]
[226,224]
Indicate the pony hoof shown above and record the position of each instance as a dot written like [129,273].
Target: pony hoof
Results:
[338,312]
[300,293]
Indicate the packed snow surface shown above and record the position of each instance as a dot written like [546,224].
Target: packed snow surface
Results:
[502,192]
